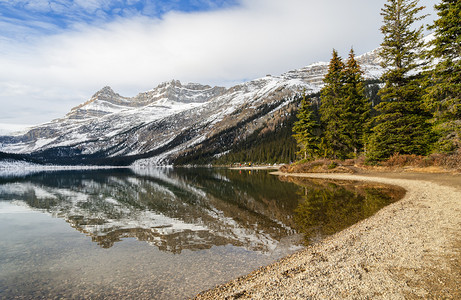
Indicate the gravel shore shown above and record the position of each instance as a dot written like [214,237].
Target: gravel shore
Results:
[409,249]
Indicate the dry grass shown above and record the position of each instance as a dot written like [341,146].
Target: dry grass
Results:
[450,162]
[398,162]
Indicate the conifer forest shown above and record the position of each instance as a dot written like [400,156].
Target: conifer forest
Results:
[419,107]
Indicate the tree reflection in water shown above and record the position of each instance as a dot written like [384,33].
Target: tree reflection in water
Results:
[327,207]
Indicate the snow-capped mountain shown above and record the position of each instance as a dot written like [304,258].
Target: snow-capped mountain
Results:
[169,121]
[167,95]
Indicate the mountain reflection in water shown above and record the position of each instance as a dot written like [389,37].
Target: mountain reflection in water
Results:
[181,208]
[171,209]
[206,226]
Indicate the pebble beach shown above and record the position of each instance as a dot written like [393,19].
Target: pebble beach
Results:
[410,249]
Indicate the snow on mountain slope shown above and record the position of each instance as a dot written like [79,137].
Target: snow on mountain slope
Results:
[108,114]
[106,101]
[159,125]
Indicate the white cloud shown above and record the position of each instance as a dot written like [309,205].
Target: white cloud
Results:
[217,47]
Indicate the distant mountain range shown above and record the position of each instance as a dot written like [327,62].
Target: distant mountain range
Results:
[169,122]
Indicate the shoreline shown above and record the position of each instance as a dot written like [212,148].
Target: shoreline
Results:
[408,249]
[276,167]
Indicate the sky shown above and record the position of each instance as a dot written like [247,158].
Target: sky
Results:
[55,55]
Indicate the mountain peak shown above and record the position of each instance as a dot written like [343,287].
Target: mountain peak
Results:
[105,91]
[190,86]
[170,83]
[103,102]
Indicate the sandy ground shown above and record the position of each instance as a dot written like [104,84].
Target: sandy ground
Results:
[410,249]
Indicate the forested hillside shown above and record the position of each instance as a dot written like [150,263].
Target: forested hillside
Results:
[277,144]
[265,146]
[274,143]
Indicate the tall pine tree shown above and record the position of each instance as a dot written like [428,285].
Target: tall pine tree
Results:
[356,106]
[401,126]
[306,131]
[443,95]
[344,109]
[331,109]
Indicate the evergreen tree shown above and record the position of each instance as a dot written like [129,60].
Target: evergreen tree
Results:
[443,95]
[401,126]
[344,109]
[331,109]
[306,131]
[356,106]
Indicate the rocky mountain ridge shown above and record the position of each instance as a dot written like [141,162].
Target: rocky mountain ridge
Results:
[170,121]
[106,101]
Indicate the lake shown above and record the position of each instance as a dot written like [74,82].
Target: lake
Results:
[162,233]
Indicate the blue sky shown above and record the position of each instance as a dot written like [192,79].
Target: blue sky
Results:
[50,17]
[55,54]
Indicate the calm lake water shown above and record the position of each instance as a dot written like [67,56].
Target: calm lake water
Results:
[161,233]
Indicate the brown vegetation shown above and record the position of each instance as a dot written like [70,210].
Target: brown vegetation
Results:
[432,163]
[451,162]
